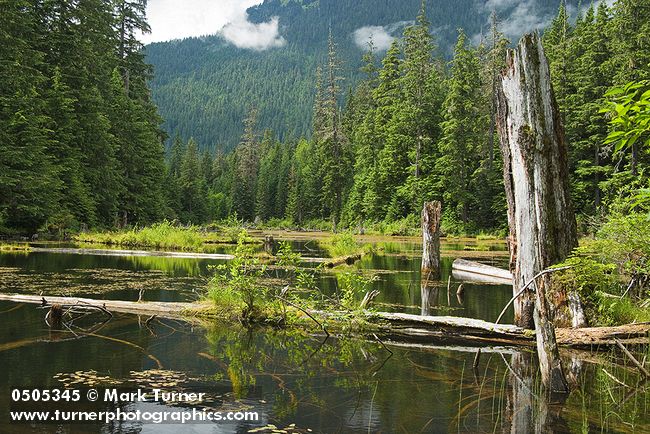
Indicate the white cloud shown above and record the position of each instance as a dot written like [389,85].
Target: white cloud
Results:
[522,16]
[173,19]
[380,37]
[244,34]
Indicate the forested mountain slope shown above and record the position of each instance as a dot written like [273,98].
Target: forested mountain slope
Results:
[205,86]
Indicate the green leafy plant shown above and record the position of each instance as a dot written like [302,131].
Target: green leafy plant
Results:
[239,280]
[630,106]
[352,287]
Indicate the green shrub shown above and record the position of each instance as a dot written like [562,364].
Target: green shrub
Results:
[613,265]
[353,287]
[238,281]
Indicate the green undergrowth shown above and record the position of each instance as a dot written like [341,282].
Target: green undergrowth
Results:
[612,272]
[240,289]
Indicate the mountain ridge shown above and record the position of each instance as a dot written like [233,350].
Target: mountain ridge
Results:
[204,86]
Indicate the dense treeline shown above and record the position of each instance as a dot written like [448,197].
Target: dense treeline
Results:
[204,86]
[605,47]
[417,128]
[80,142]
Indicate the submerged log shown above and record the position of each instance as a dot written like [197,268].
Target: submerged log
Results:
[540,214]
[431,213]
[471,271]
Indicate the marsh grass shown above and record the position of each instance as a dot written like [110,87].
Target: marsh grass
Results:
[164,235]
[344,244]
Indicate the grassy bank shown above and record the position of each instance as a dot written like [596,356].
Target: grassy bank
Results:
[160,236]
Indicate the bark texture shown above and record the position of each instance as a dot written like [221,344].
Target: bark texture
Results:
[431,213]
[541,217]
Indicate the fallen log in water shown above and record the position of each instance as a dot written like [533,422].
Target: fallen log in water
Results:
[161,309]
[347,260]
[455,329]
[471,271]
[450,329]
[123,252]
[395,326]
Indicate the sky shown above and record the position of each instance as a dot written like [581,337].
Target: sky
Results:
[173,19]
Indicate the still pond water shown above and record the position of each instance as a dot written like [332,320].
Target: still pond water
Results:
[294,381]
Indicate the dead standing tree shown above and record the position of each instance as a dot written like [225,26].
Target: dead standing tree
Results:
[540,215]
[430,269]
[431,213]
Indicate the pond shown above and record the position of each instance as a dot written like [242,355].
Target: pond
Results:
[294,381]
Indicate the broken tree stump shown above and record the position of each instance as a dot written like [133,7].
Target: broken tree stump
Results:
[431,213]
[540,214]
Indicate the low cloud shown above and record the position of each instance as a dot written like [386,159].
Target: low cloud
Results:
[517,17]
[381,36]
[171,19]
[253,36]
[524,18]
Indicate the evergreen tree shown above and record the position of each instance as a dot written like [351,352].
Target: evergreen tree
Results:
[464,128]
[586,127]
[421,104]
[247,163]
[333,152]
[556,41]
[28,189]
[192,186]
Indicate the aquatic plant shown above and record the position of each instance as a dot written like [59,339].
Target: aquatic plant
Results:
[14,247]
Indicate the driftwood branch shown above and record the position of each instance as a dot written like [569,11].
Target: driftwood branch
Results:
[290,303]
[521,291]
[642,368]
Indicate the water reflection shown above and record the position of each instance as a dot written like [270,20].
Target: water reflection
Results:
[333,385]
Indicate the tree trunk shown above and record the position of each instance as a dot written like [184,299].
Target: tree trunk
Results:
[431,241]
[540,213]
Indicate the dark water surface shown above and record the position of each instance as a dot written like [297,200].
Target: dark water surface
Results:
[295,381]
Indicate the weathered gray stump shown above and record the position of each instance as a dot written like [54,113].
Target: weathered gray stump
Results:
[268,244]
[540,213]
[431,213]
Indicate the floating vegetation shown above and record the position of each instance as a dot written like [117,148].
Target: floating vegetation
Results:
[158,378]
[164,380]
[17,247]
[101,281]
[85,378]
[289,429]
